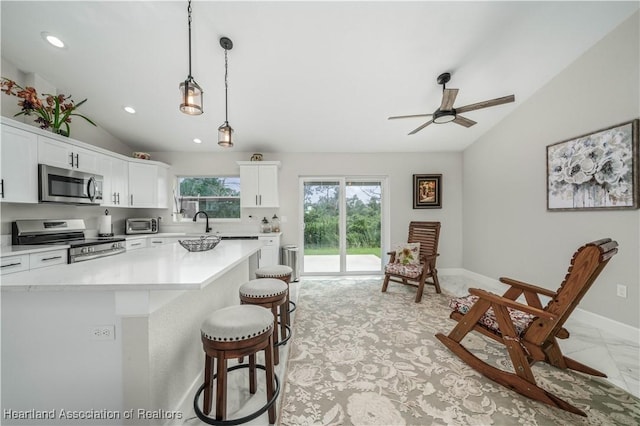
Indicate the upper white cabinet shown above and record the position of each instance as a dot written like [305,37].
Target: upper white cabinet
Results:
[148,185]
[67,156]
[115,186]
[259,183]
[19,180]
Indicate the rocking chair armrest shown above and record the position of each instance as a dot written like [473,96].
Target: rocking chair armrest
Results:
[494,298]
[527,287]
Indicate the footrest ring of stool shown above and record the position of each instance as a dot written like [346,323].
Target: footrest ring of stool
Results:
[284,340]
[292,306]
[245,419]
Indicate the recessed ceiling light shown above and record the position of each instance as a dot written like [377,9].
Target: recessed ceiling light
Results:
[52,40]
[196,140]
[130,109]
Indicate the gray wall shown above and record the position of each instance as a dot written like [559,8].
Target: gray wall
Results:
[507,229]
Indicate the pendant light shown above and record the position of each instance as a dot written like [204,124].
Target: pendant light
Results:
[191,102]
[225,132]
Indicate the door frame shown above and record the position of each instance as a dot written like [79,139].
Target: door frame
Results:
[385,216]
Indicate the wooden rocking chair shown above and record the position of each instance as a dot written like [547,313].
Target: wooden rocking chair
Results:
[528,331]
[427,234]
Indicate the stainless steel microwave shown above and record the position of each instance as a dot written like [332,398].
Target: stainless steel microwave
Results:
[141,225]
[57,185]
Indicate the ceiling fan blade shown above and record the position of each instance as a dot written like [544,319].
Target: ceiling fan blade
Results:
[409,116]
[421,127]
[486,104]
[463,121]
[448,98]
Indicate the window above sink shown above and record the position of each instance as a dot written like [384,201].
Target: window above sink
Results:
[218,196]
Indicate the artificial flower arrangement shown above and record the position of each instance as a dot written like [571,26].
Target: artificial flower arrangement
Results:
[54,112]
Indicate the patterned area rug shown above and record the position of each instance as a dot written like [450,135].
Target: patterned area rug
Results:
[362,357]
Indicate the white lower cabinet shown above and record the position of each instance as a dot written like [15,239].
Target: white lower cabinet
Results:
[136,244]
[47,258]
[269,253]
[25,262]
[16,263]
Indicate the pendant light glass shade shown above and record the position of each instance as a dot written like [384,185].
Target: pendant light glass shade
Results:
[225,134]
[191,97]
[191,92]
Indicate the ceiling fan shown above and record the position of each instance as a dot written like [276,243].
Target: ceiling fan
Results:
[447,112]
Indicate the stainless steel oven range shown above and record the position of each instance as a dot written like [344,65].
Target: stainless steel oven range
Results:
[66,232]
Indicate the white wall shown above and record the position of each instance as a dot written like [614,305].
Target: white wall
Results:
[399,168]
[507,229]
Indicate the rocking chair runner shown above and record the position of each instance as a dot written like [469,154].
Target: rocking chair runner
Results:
[527,330]
[427,234]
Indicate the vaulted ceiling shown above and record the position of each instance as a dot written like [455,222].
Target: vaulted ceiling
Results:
[303,76]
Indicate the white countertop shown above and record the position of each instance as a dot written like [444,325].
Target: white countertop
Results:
[18,250]
[167,267]
[193,235]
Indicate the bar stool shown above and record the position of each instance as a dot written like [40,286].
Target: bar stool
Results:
[229,333]
[281,272]
[269,293]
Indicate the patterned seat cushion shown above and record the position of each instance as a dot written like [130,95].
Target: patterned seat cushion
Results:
[521,320]
[411,271]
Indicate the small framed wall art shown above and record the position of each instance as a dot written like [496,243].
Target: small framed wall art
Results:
[427,191]
[596,171]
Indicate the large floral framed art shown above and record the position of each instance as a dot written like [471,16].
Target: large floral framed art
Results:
[595,171]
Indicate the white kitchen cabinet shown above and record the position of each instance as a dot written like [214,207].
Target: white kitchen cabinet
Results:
[67,156]
[259,184]
[47,258]
[115,186]
[142,185]
[17,263]
[148,185]
[269,253]
[136,244]
[19,162]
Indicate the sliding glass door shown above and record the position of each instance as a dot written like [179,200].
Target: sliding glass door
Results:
[342,225]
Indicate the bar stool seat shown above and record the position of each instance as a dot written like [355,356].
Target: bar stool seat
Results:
[270,293]
[281,272]
[229,333]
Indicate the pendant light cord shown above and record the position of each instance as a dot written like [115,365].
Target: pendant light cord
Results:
[189,21]
[226,86]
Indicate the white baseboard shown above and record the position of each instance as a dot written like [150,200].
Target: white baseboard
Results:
[605,325]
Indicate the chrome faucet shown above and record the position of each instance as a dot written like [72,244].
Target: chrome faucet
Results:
[195,216]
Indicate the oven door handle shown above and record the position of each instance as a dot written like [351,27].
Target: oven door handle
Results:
[91,188]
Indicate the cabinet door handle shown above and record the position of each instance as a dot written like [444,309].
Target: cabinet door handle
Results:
[11,264]
[118,198]
[44,259]
[256,200]
[77,161]
[71,155]
[136,244]
[114,198]
[2,187]
[260,199]
[131,199]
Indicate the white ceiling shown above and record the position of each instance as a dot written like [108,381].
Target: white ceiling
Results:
[303,76]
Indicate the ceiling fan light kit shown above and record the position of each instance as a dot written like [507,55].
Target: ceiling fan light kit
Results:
[225,131]
[191,93]
[446,113]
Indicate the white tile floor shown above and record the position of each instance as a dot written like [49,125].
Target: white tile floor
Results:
[618,358]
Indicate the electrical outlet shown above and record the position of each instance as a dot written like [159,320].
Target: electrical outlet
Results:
[621,290]
[103,332]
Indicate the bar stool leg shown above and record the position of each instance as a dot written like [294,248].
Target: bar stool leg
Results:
[221,391]
[276,352]
[207,383]
[252,374]
[269,366]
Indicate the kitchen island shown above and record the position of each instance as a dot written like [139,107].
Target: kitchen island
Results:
[114,340]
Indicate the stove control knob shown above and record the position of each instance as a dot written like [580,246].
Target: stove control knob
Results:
[116,245]
[91,249]
[84,250]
